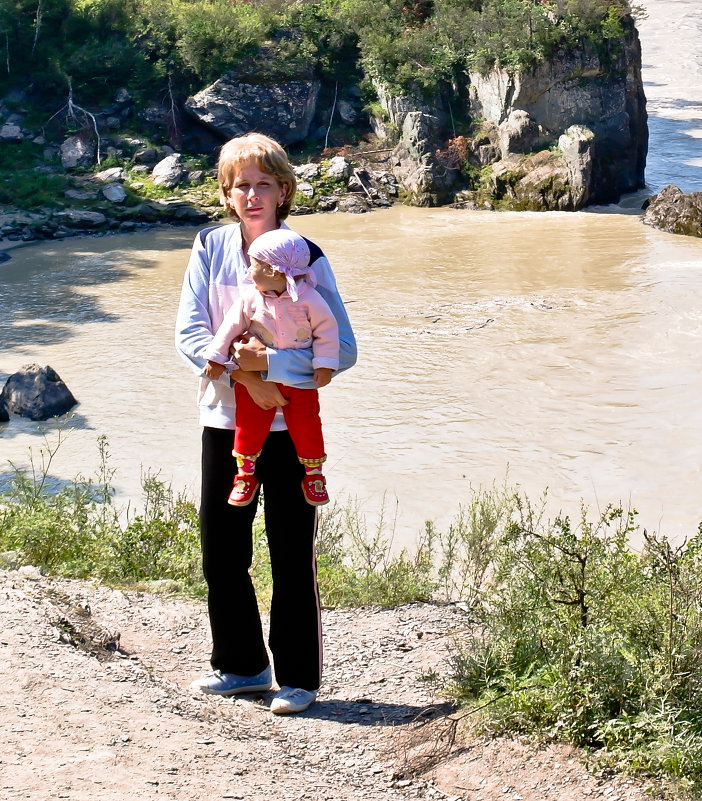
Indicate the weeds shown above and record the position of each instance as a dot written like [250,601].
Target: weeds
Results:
[583,640]
[572,635]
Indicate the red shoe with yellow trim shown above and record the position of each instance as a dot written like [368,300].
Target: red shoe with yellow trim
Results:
[314,487]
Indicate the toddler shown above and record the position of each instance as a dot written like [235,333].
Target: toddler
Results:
[282,310]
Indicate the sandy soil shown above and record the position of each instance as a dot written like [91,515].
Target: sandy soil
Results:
[94,704]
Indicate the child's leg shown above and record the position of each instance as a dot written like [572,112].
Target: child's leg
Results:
[305,427]
[252,426]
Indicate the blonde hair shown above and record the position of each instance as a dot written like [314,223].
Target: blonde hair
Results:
[267,155]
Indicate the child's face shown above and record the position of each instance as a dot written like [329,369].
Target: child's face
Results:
[265,280]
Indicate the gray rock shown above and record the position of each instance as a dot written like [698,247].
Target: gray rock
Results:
[305,189]
[307,172]
[77,151]
[79,218]
[115,193]
[11,133]
[112,174]
[113,123]
[674,211]
[577,146]
[352,205]
[339,169]
[281,110]
[79,194]
[519,133]
[327,203]
[146,155]
[4,414]
[195,176]
[420,175]
[156,115]
[37,393]
[347,112]
[122,96]
[169,171]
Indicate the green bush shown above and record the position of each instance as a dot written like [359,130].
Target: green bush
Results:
[581,639]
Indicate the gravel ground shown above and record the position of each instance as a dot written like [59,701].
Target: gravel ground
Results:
[94,704]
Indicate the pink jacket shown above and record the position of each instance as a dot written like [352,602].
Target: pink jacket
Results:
[280,323]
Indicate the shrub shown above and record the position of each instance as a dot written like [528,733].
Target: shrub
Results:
[584,640]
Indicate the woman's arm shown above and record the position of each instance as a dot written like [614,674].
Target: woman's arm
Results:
[193,330]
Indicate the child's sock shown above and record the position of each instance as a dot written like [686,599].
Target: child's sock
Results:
[247,464]
[313,466]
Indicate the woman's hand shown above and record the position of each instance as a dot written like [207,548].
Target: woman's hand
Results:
[263,393]
[250,354]
[214,370]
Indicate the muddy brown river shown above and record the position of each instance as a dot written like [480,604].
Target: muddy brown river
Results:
[548,350]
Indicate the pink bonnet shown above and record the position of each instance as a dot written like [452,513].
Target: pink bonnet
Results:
[286,252]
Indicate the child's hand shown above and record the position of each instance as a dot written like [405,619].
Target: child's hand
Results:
[322,376]
[214,370]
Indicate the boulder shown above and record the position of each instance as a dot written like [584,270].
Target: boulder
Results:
[79,218]
[11,133]
[281,110]
[4,414]
[577,147]
[305,189]
[352,204]
[338,169]
[169,171]
[347,112]
[674,211]
[519,133]
[115,193]
[423,179]
[146,155]
[111,174]
[37,393]
[77,151]
[306,172]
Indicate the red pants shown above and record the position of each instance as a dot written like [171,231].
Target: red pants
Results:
[301,416]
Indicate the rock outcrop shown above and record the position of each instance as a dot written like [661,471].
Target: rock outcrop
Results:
[600,94]
[231,107]
[674,211]
[415,127]
[37,393]
[569,133]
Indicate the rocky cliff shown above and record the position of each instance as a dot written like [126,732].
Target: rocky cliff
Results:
[571,132]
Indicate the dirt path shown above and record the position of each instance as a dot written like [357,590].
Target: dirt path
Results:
[81,720]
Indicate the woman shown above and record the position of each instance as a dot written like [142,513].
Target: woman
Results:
[257,186]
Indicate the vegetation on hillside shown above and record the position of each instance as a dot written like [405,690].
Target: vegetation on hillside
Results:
[571,634]
[153,47]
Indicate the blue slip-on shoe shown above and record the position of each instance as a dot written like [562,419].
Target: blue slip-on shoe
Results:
[218,683]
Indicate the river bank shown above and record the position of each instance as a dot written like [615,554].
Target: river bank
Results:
[95,701]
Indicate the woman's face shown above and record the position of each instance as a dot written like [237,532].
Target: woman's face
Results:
[255,196]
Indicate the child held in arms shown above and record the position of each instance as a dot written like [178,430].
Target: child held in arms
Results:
[282,310]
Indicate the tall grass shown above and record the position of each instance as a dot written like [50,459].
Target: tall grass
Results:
[571,635]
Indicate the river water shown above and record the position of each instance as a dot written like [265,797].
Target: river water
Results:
[548,350]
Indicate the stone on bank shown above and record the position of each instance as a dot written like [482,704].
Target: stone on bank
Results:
[36,392]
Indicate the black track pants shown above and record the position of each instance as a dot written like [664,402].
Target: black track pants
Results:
[226,532]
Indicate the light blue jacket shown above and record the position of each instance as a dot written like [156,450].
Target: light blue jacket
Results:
[215,272]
